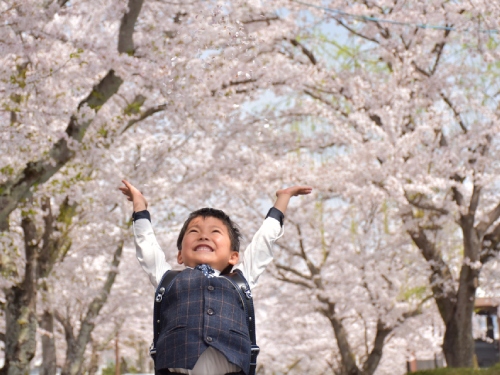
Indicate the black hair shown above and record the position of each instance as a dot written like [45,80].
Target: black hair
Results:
[232,228]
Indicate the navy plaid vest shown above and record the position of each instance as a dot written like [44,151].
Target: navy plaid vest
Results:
[198,312]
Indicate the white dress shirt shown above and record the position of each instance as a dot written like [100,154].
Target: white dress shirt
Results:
[253,262]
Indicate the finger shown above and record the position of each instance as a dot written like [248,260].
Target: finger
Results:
[127,184]
[303,190]
[124,191]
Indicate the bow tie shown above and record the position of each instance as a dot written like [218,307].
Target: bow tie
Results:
[206,269]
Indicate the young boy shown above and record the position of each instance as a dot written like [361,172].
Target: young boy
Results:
[206,331]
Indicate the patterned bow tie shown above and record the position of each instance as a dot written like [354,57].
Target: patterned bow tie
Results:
[206,269]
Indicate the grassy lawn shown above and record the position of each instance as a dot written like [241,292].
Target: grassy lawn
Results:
[495,370]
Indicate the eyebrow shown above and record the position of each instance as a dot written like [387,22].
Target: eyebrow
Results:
[211,226]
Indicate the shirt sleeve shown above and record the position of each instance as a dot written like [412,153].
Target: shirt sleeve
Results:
[259,253]
[148,251]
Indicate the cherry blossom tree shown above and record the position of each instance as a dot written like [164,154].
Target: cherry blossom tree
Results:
[411,113]
[219,103]
[78,80]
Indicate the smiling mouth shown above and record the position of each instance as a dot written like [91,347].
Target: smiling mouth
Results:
[203,248]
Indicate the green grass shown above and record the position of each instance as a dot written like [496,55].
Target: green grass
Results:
[495,370]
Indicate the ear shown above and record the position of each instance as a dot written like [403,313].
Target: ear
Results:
[179,257]
[233,259]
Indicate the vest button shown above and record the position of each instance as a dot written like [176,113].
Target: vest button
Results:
[209,339]
[210,287]
[210,312]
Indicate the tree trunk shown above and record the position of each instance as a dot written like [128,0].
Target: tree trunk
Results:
[348,361]
[117,355]
[48,344]
[455,306]
[94,361]
[458,343]
[20,335]
[373,360]
[20,311]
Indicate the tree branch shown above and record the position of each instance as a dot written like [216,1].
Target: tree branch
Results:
[346,354]
[324,101]
[68,329]
[490,245]
[474,199]
[147,113]
[351,30]
[492,216]
[373,359]
[37,172]
[420,70]
[281,277]
[418,203]
[234,83]
[441,277]
[263,19]
[457,195]
[31,249]
[292,270]
[55,247]
[455,112]
[438,48]
[305,51]
[127,25]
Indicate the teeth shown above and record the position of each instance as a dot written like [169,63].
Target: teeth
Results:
[203,248]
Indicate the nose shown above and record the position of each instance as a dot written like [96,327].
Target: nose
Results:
[203,236]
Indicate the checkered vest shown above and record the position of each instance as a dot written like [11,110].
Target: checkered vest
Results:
[198,312]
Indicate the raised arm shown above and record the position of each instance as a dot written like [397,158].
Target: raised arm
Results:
[259,253]
[148,251]
[284,195]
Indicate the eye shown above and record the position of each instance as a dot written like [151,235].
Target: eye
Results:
[216,231]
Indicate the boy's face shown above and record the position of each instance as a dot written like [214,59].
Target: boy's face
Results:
[207,241]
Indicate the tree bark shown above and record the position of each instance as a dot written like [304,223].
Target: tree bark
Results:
[375,355]
[458,343]
[455,306]
[348,358]
[20,311]
[117,355]
[49,362]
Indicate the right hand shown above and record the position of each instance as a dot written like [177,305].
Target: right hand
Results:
[134,195]
[293,191]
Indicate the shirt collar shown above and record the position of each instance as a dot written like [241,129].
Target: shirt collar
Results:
[216,272]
